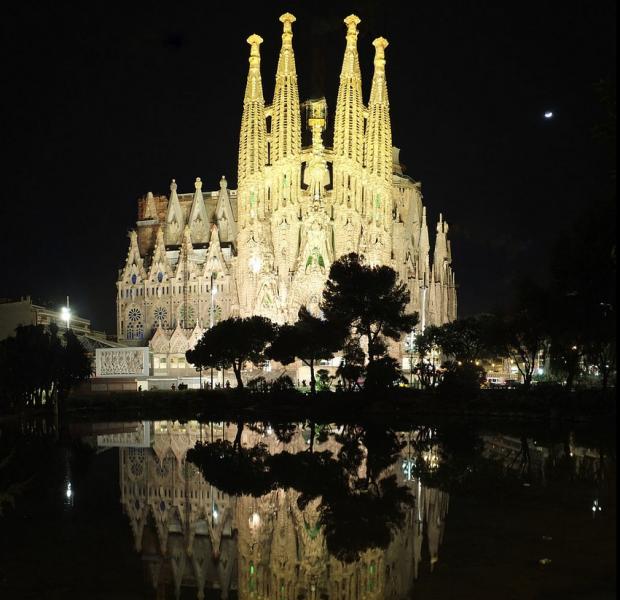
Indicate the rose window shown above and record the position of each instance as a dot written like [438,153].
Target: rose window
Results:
[187,315]
[134,315]
[160,316]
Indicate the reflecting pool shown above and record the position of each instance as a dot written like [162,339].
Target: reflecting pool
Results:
[292,511]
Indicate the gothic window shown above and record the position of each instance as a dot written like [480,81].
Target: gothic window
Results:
[135,327]
[134,315]
[187,316]
[160,277]
[216,310]
[160,316]
[134,279]
[136,461]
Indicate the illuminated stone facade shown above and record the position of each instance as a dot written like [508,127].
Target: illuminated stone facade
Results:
[266,247]
[191,535]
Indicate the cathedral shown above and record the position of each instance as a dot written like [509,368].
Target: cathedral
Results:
[266,248]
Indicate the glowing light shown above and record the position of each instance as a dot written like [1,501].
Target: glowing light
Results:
[255,521]
[69,491]
[255,264]
[549,114]
[65,314]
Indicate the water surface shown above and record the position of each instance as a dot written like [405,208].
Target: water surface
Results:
[291,511]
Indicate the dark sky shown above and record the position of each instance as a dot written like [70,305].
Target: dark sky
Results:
[102,104]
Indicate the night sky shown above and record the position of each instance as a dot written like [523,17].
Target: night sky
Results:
[102,104]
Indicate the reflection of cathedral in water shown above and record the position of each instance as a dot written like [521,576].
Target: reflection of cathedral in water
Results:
[200,542]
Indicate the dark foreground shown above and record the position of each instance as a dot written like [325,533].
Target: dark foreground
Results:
[385,407]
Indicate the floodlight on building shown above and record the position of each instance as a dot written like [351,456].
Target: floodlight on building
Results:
[65,315]
[255,264]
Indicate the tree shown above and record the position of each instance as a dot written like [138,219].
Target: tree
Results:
[523,332]
[232,343]
[462,379]
[37,364]
[370,300]
[468,339]
[384,372]
[310,339]
[351,367]
[426,371]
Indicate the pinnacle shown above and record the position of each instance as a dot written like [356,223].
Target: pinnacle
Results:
[198,184]
[352,21]
[287,18]
[255,41]
[380,42]
[173,185]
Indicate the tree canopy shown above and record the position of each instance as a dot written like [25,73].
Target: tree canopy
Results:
[233,342]
[370,300]
[310,339]
[38,364]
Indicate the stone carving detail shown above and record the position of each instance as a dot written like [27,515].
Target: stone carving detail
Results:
[125,361]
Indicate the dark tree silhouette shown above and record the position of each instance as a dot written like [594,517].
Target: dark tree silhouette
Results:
[232,343]
[310,339]
[39,364]
[370,300]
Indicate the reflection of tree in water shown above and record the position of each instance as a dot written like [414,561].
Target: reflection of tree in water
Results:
[269,539]
[360,505]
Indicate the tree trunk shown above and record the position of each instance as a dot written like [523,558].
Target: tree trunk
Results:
[312,378]
[312,435]
[237,371]
[237,442]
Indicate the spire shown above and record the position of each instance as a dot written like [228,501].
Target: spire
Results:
[379,130]
[252,142]
[198,219]
[423,265]
[286,119]
[349,120]
[224,214]
[160,266]
[174,218]
[441,246]
[150,211]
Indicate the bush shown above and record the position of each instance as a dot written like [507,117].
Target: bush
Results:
[463,380]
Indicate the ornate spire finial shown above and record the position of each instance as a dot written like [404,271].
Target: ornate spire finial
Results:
[255,41]
[198,184]
[287,19]
[352,21]
[173,185]
[380,45]
[223,183]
